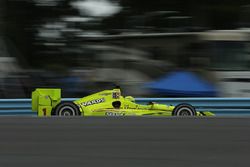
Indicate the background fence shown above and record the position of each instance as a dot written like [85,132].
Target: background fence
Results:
[219,106]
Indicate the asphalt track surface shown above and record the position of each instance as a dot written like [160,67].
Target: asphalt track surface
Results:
[124,142]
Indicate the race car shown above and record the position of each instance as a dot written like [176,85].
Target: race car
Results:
[47,102]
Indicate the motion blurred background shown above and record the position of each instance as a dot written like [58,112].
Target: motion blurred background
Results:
[159,48]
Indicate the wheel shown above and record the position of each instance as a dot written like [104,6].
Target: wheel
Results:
[184,110]
[66,109]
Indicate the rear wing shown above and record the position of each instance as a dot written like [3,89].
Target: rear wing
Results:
[44,100]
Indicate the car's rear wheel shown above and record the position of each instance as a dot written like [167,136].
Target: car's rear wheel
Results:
[66,109]
[184,110]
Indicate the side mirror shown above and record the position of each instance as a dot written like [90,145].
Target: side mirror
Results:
[151,103]
[130,98]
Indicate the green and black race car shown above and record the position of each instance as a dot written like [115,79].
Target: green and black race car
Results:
[47,102]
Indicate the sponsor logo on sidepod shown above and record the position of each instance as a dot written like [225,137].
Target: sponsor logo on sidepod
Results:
[115,113]
[97,101]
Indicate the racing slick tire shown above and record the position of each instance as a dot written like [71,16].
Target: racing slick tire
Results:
[184,110]
[66,109]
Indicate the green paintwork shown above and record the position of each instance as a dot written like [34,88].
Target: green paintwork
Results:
[100,104]
[44,100]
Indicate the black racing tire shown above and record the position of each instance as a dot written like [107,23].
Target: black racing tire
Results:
[66,109]
[184,110]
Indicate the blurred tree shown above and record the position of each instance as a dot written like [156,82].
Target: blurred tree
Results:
[38,31]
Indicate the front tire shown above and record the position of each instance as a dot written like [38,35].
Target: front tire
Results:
[184,110]
[67,109]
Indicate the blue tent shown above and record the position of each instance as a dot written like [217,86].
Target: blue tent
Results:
[182,83]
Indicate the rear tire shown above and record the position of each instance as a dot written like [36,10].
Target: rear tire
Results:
[184,110]
[67,109]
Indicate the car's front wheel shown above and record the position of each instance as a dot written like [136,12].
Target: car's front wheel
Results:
[66,109]
[184,110]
